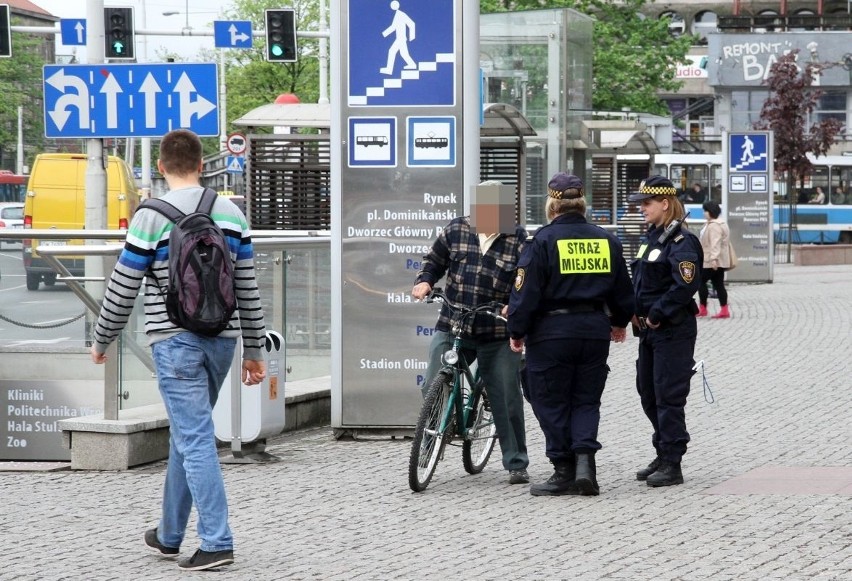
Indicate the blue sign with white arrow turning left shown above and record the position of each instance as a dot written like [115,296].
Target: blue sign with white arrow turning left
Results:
[130,100]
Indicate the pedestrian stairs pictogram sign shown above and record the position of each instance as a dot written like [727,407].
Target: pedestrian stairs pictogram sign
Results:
[402,53]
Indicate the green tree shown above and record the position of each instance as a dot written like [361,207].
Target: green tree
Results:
[18,76]
[793,96]
[634,58]
[252,81]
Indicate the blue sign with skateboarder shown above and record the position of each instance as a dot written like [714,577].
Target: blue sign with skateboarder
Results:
[748,152]
[401,53]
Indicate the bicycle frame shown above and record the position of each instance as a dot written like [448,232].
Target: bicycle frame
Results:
[458,404]
[456,407]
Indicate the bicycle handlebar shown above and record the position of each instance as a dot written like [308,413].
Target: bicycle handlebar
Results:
[490,308]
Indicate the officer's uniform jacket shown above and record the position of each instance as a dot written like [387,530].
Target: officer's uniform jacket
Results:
[666,275]
[569,273]
[473,278]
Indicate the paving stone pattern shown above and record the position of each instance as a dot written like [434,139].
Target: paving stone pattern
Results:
[780,374]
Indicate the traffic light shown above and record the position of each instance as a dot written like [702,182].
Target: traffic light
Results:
[5,31]
[281,35]
[119,41]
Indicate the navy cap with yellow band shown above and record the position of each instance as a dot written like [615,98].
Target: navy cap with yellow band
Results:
[560,185]
[653,186]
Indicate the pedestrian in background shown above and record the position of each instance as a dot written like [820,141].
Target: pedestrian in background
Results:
[666,275]
[190,367]
[715,239]
[479,254]
[572,296]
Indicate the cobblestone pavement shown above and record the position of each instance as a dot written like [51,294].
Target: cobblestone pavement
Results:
[779,371]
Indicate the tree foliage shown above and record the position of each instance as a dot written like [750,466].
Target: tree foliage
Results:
[793,96]
[252,81]
[18,76]
[634,58]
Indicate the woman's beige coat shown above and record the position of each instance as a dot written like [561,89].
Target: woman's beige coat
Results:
[715,238]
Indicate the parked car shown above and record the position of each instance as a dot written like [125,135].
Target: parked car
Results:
[11,216]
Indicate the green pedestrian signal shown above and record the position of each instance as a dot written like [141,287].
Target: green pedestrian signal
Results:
[280,35]
[5,31]
[119,34]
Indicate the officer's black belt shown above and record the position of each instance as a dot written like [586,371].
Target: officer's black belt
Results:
[574,309]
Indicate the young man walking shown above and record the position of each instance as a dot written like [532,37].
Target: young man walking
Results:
[190,367]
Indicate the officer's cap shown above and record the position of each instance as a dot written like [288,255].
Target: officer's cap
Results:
[653,186]
[561,183]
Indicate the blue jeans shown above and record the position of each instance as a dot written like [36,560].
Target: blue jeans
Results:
[190,372]
[498,366]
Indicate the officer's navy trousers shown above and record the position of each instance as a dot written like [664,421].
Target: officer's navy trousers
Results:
[663,371]
[566,378]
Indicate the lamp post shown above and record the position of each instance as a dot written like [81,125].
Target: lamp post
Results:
[223,94]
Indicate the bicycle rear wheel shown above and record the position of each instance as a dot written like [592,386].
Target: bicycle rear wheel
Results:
[480,435]
[429,440]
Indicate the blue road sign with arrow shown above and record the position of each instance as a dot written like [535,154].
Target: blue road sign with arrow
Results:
[130,100]
[401,55]
[232,33]
[73,31]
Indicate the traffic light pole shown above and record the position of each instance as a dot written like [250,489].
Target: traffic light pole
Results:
[96,177]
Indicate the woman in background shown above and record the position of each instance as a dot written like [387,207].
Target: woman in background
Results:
[715,241]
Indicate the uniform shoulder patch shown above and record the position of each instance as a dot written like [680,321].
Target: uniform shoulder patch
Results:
[519,279]
[678,238]
[687,270]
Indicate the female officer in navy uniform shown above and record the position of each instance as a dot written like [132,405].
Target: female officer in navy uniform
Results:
[572,295]
[666,275]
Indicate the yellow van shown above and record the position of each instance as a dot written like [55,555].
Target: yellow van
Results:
[56,198]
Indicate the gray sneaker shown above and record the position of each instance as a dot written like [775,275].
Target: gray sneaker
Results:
[519,476]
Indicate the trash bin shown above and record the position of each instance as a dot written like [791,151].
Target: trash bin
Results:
[245,415]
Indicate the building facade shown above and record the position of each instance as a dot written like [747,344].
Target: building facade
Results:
[723,86]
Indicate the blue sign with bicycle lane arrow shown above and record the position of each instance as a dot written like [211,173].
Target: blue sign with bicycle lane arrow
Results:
[401,53]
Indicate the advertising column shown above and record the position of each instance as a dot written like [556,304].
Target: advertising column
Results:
[397,179]
[747,200]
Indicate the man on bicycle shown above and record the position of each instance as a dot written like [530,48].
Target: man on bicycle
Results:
[479,253]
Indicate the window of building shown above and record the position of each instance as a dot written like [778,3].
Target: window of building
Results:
[704,23]
[767,21]
[802,20]
[832,105]
[677,26]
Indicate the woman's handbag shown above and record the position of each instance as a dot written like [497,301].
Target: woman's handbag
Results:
[734,259]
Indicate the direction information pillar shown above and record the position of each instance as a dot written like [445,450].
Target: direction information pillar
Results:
[747,200]
[405,150]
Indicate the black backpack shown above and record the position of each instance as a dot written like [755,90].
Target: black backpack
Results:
[200,296]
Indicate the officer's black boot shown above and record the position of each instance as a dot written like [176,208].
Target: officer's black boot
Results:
[650,469]
[586,479]
[561,483]
[667,474]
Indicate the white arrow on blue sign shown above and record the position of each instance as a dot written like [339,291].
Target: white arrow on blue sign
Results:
[73,31]
[232,33]
[130,100]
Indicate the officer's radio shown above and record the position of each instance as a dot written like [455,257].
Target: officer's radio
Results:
[671,228]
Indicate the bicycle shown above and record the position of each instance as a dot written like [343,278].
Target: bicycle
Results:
[456,407]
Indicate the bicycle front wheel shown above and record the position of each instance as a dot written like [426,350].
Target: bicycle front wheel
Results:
[480,435]
[429,440]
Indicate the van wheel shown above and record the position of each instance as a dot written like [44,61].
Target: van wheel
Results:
[33,279]
[846,237]
[49,279]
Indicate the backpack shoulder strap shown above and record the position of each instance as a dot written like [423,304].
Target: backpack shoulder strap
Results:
[164,208]
[205,204]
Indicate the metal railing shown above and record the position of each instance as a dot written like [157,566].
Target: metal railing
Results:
[266,244]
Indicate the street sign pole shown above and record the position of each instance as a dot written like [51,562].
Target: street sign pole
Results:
[96,177]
